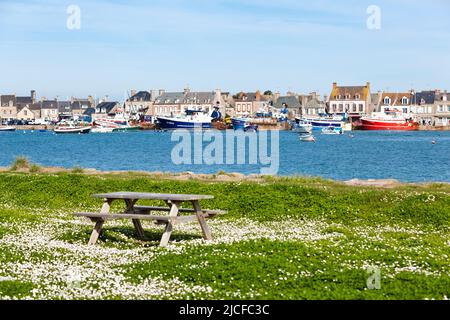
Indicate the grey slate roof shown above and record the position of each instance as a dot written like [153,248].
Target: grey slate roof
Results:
[64,107]
[81,104]
[49,104]
[141,96]
[7,98]
[170,98]
[108,106]
[24,100]
[291,101]
[424,97]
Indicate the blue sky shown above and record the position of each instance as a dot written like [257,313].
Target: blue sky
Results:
[282,45]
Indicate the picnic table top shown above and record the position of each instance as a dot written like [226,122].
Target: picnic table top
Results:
[152,196]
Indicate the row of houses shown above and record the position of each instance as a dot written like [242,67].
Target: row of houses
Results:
[430,107]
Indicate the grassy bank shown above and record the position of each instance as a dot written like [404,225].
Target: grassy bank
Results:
[282,239]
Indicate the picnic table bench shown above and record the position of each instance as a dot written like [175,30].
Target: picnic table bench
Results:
[137,213]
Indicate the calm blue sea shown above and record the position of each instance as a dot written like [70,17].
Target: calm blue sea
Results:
[406,156]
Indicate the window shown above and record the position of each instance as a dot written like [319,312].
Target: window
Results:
[361,108]
[341,107]
[448,108]
[404,101]
[355,107]
[357,97]
[387,101]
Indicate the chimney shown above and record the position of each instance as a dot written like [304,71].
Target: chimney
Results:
[368,85]
[186,90]
[133,92]
[33,96]
[276,96]
[161,92]
[334,85]
[258,95]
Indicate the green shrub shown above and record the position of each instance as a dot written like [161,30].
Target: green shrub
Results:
[20,163]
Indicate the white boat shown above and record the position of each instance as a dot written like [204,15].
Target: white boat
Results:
[71,127]
[302,127]
[332,131]
[102,130]
[307,138]
[7,129]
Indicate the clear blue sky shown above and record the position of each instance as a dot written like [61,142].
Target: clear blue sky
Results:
[233,45]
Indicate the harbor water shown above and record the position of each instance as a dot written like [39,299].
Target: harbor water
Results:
[405,156]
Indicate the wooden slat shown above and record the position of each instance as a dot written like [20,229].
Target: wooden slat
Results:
[174,210]
[122,216]
[164,209]
[153,196]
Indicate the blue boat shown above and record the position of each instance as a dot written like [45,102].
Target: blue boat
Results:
[194,119]
[325,122]
[240,123]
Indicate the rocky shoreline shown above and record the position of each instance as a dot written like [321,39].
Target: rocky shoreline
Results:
[218,177]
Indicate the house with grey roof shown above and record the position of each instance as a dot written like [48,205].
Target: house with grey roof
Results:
[50,110]
[177,103]
[65,109]
[8,107]
[139,102]
[442,103]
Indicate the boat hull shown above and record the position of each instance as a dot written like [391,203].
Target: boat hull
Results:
[380,125]
[7,129]
[320,124]
[239,123]
[174,124]
[85,130]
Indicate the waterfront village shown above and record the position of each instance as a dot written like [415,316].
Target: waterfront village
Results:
[151,109]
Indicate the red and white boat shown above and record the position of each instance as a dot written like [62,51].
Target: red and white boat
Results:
[394,122]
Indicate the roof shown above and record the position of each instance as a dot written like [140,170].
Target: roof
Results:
[424,97]
[396,98]
[249,97]
[170,98]
[49,104]
[442,96]
[291,101]
[35,107]
[7,98]
[350,92]
[81,104]
[141,96]
[108,106]
[64,107]
[24,100]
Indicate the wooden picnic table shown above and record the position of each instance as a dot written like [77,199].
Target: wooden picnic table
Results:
[136,213]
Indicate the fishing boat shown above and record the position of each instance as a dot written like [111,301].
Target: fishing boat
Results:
[7,129]
[388,121]
[240,123]
[323,122]
[72,130]
[301,126]
[332,131]
[70,127]
[119,123]
[191,120]
[307,138]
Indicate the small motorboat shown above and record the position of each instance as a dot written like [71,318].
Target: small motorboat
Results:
[7,129]
[251,128]
[102,130]
[307,138]
[332,131]
[72,130]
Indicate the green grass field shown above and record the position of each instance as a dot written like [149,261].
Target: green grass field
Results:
[282,239]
